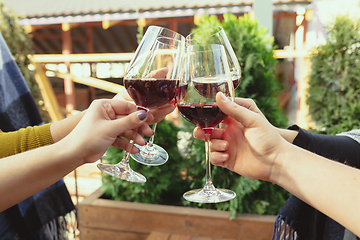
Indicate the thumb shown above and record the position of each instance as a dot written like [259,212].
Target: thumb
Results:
[131,121]
[241,114]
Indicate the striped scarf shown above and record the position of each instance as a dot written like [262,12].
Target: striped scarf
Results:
[41,216]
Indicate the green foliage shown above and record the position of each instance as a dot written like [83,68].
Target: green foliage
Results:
[20,45]
[167,183]
[140,34]
[334,81]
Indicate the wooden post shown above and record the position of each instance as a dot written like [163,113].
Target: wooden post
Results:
[174,116]
[90,49]
[69,86]
[47,93]
[173,25]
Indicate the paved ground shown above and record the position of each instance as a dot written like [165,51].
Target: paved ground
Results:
[88,179]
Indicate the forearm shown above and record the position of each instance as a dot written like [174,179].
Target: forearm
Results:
[27,173]
[62,128]
[328,186]
[288,135]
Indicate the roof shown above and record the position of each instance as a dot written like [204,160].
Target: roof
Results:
[121,36]
[90,10]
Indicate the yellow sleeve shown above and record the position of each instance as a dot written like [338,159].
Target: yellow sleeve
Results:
[24,139]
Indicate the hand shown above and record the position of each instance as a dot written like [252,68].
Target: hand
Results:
[102,125]
[249,144]
[158,113]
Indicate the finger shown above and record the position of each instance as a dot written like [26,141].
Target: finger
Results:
[138,138]
[218,145]
[150,117]
[245,102]
[109,110]
[167,108]
[219,159]
[249,104]
[123,95]
[199,133]
[132,121]
[120,107]
[241,114]
[158,73]
[146,130]
[124,145]
[161,112]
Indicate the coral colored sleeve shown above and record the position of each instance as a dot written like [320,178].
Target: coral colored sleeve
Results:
[24,139]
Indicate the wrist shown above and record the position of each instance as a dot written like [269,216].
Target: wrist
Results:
[280,164]
[69,154]
[62,128]
[288,135]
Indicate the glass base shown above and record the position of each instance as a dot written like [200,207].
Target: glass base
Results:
[122,171]
[209,196]
[152,156]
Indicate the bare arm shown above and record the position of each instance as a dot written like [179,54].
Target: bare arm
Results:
[328,186]
[288,135]
[62,128]
[252,147]
[26,173]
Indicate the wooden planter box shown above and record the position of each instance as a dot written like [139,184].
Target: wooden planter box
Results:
[108,219]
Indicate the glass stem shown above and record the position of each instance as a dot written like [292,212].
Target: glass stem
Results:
[129,148]
[208,185]
[151,140]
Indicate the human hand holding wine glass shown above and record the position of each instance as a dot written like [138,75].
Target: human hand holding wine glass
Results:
[151,80]
[153,154]
[206,73]
[217,35]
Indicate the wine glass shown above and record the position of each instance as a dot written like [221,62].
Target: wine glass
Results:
[152,154]
[151,80]
[217,35]
[206,73]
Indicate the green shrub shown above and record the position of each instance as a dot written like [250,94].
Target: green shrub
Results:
[165,184]
[186,171]
[334,81]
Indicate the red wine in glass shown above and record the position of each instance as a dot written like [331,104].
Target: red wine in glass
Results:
[205,116]
[151,80]
[236,82]
[217,35]
[151,93]
[206,73]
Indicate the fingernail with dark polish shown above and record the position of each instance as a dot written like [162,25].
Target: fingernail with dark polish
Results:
[142,115]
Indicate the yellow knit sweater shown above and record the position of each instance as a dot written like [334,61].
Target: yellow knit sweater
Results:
[24,139]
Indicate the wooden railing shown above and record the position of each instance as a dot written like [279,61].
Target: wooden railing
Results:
[45,86]
[47,91]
